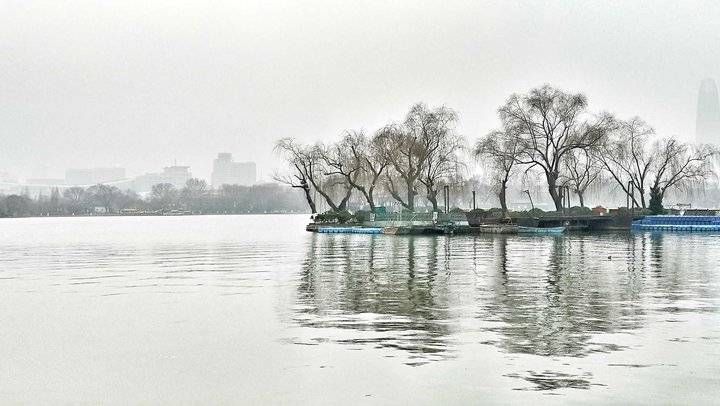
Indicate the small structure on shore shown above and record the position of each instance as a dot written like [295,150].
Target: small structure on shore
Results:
[599,211]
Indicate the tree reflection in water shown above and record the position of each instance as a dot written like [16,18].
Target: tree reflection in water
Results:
[552,300]
[539,295]
[380,287]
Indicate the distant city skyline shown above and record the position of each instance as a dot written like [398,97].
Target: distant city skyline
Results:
[226,171]
[127,86]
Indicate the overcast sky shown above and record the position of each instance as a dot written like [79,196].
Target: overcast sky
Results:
[141,84]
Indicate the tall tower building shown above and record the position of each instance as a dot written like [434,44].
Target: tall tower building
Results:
[228,172]
[707,130]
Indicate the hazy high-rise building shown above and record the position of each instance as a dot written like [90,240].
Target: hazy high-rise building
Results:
[175,175]
[707,129]
[93,176]
[228,172]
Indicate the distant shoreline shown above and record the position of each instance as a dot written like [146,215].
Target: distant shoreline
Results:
[152,215]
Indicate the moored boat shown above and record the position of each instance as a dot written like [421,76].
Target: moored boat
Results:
[678,223]
[495,229]
[541,230]
[396,230]
[349,230]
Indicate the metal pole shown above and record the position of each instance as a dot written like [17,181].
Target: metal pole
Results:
[473,206]
[447,204]
[444,199]
[627,197]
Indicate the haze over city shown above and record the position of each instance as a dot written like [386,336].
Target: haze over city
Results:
[142,85]
[356,202]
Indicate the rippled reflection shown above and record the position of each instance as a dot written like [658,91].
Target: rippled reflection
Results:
[259,302]
[547,296]
[388,290]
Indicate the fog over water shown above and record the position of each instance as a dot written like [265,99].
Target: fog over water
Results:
[141,84]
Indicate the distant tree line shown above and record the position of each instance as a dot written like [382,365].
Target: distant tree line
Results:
[196,198]
[546,133]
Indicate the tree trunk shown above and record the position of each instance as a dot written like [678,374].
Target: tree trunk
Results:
[432,198]
[343,203]
[370,198]
[581,197]
[503,198]
[308,197]
[642,198]
[410,196]
[552,188]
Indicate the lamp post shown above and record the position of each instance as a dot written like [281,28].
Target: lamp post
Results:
[446,190]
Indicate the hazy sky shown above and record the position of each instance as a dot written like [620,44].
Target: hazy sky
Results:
[140,84]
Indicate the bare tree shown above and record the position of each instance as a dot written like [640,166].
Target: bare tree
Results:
[312,169]
[193,192]
[405,165]
[164,195]
[419,151]
[501,148]
[301,164]
[549,124]
[342,169]
[104,196]
[360,161]
[677,165]
[581,169]
[442,145]
[329,183]
[75,196]
[627,157]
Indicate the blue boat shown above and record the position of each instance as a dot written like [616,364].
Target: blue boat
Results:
[540,230]
[678,223]
[350,230]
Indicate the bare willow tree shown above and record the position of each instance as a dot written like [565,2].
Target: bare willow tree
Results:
[341,170]
[405,165]
[311,171]
[501,149]
[581,169]
[368,155]
[442,145]
[550,123]
[421,152]
[642,165]
[678,165]
[301,163]
[626,155]
[331,185]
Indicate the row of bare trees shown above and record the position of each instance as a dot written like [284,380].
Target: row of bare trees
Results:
[545,132]
[552,132]
[415,157]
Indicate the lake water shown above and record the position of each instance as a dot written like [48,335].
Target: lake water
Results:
[253,309]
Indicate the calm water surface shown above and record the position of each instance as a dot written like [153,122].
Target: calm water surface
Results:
[252,309]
